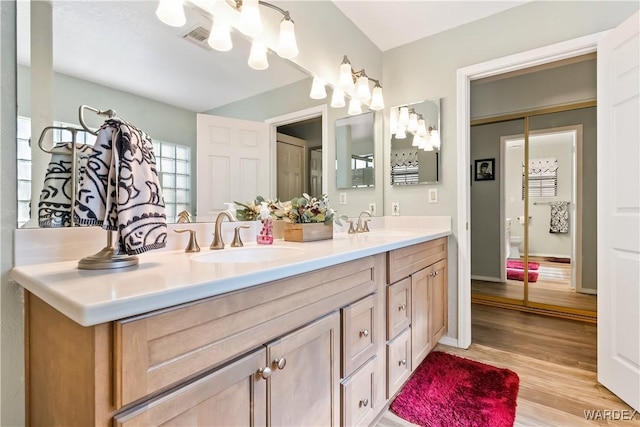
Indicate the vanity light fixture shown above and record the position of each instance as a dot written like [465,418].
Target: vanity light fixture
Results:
[171,12]
[337,99]
[318,90]
[355,107]
[409,121]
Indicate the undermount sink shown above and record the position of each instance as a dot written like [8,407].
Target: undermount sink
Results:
[248,254]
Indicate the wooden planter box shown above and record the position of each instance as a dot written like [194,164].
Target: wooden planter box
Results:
[307,232]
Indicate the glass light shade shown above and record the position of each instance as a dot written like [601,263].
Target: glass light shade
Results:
[220,37]
[250,21]
[413,122]
[435,138]
[422,127]
[417,141]
[363,93]
[337,99]
[345,80]
[318,90]
[354,107]
[427,146]
[403,118]
[393,119]
[171,12]
[377,102]
[400,133]
[258,56]
[287,46]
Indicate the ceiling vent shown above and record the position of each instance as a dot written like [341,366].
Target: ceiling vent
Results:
[199,35]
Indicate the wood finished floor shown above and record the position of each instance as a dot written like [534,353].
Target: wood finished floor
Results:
[553,287]
[555,359]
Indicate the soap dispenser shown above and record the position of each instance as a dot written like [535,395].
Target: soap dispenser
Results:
[266,234]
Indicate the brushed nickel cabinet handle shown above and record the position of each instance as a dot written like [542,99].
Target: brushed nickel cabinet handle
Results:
[280,363]
[403,307]
[403,362]
[264,372]
[364,333]
[364,402]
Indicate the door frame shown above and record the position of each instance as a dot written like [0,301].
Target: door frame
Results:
[297,116]
[464,76]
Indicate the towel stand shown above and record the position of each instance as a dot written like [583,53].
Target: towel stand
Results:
[106,257]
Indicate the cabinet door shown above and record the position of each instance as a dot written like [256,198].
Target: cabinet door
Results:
[420,331]
[304,387]
[234,395]
[398,307]
[438,320]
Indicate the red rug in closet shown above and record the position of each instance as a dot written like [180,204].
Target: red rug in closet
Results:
[514,274]
[519,265]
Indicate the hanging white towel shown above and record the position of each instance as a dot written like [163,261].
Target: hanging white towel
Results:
[54,207]
[559,217]
[120,191]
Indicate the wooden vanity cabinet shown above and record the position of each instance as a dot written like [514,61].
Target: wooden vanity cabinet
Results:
[416,306]
[180,364]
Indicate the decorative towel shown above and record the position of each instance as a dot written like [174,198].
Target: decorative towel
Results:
[54,208]
[119,189]
[559,217]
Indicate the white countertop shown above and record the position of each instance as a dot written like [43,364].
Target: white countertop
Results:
[166,278]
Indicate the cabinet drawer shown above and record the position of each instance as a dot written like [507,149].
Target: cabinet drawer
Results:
[405,261]
[398,307]
[232,395]
[358,324]
[358,396]
[398,362]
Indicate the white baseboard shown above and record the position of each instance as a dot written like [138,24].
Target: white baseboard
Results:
[487,279]
[588,291]
[452,342]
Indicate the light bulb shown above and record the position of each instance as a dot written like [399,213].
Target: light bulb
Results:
[171,12]
[354,107]
[220,37]
[318,90]
[250,21]
[400,133]
[403,119]
[337,99]
[258,56]
[345,80]
[377,102]
[287,46]
[362,89]
[413,122]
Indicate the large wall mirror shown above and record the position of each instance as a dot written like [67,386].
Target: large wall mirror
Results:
[415,143]
[355,144]
[118,55]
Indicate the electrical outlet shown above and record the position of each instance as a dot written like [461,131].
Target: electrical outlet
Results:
[372,208]
[395,208]
[433,195]
[343,198]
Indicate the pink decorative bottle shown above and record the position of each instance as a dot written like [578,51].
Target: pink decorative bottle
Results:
[266,233]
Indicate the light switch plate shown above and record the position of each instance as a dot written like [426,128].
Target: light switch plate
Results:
[343,198]
[395,208]
[372,208]
[433,195]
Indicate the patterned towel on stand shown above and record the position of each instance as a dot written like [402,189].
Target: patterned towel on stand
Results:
[119,189]
[559,217]
[54,207]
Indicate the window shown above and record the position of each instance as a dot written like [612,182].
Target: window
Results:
[173,163]
[543,178]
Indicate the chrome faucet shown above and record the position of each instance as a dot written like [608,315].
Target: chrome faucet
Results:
[218,243]
[362,226]
[184,216]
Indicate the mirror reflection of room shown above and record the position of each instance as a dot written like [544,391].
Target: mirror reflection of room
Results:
[355,142]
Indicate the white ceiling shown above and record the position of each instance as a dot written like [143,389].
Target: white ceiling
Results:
[121,44]
[390,24]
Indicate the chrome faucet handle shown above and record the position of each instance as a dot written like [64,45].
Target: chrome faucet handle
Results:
[237,241]
[351,229]
[362,225]
[192,246]
[365,228]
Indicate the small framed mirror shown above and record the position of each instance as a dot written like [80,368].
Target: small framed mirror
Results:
[355,138]
[415,143]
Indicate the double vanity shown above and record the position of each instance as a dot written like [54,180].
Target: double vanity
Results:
[319,333]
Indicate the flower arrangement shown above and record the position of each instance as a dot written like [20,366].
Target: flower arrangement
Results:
[299,210]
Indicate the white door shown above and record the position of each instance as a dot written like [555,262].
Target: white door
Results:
[233,163]
[315,172]
[619,212]
[290,167]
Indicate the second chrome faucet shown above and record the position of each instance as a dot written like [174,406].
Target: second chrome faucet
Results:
[218,243]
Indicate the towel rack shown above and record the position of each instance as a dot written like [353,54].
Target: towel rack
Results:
[546,203]
[106,257]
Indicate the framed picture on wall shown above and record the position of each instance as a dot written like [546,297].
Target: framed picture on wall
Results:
[484,169]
